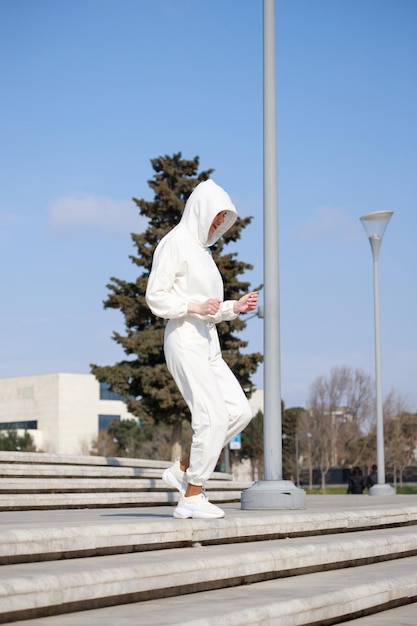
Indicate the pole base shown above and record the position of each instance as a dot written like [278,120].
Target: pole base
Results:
[382,490]
[273,494]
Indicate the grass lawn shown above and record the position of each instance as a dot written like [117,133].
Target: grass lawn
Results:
[342,489]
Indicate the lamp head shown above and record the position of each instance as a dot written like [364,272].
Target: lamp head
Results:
[375,223]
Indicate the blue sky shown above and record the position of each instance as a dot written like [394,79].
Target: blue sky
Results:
[92,90]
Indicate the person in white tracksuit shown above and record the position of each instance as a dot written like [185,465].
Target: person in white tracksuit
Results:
[185,287]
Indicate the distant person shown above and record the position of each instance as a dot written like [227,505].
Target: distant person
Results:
[372,478]
[356,481]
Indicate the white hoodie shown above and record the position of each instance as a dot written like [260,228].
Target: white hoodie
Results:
[183,270]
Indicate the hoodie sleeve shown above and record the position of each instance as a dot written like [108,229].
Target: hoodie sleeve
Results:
[160,294]
[227,311]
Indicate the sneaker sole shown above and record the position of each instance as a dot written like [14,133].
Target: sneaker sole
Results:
[180,513]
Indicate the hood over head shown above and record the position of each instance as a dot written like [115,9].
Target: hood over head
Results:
[206,201]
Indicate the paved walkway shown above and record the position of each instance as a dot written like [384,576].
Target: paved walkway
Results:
[82,517]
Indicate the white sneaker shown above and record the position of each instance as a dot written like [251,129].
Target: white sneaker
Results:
[175,477]
[197,507]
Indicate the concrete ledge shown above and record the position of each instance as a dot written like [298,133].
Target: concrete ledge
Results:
[63,541]
[38,481]
[33,502]
[72,459]
[37,464]
[119,544]
[42,458]
[74,485]
[363,596]
[25,470]
[40,589]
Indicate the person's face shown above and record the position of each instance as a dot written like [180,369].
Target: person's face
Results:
[218,220]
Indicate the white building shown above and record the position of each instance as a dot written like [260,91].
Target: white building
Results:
[62,412]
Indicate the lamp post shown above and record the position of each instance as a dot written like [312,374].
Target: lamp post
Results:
[375,224]
[273,492]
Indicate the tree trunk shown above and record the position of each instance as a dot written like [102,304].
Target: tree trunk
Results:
[176,440]
[323,480]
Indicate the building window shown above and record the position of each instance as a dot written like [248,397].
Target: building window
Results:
[24,425]
[106,394]
[104,421]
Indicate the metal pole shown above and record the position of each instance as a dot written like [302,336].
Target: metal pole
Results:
[273,492]
[380,456]
[272,373]
[375,224]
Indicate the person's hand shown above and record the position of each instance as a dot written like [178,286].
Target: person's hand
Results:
[246,303]
[209,307]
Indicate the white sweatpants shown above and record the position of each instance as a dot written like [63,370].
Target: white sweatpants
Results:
[218,405]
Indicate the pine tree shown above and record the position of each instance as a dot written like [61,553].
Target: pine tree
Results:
[253,442]
[143,379]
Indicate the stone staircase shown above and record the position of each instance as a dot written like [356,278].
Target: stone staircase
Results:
[33,480]
[340,558]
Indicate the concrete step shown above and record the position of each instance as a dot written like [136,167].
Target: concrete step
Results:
[116,499]
[74,485]
[42,464]
[51,481]
[23,470]
[35,535]
[369,595]
[38,588]
[72,459]
[85,553]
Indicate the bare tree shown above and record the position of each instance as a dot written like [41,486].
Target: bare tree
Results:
[400,434]
[355,419]
[360,398]
[321,428]
[339,413]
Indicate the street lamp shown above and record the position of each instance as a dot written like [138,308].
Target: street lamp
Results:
[375,224]
[272,492]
